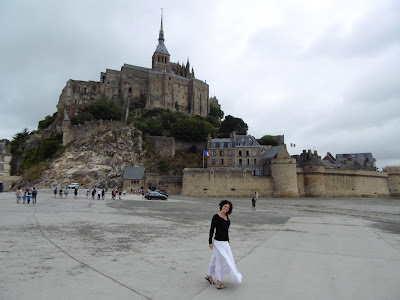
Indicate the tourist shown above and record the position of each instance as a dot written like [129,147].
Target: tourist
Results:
[221,261]
[55,192]
[87,193]
[93,193]
[119,194]
[34,194]
[98,194]
[61,193]
[28,196]
[66,192]
[24,198]
[19,194]
[253,202]
[103,192]
[76,193]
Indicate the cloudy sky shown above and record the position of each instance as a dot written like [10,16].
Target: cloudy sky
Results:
[325,73]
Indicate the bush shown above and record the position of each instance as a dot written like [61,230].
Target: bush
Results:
[102,109]
[192,129]
[48,120]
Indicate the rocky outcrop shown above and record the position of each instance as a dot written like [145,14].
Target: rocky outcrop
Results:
[99,160]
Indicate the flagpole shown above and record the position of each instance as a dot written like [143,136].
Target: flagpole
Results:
[203,157]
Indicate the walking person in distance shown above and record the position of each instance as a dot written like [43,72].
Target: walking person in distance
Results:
[222,261]
[253,203]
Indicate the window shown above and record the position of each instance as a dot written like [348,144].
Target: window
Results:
[247,153]
[222,162]
[213,162]
[221,153]
[240,162]
[255,161]
[212,152]
[254,152]
[230,161]
[248,161]
[240,153]
[216,145]
[225,145]
[229,152]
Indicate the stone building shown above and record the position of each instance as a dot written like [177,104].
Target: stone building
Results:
[166,85]
[5,159]
[133,178]
[237,151]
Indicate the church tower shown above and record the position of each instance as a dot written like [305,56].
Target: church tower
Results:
[160,59]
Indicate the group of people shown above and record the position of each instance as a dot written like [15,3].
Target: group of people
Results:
[64,192]
[27,195]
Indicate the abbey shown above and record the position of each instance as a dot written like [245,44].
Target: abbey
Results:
[166,85]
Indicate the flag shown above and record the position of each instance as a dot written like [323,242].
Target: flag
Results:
[205,153]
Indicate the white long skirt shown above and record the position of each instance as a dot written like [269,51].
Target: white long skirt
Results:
[222,262]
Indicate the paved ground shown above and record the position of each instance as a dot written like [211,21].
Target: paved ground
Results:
[139,249]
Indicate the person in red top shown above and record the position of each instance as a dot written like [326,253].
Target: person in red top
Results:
[222,261]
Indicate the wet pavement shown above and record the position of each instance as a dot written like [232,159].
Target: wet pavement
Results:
[139,249]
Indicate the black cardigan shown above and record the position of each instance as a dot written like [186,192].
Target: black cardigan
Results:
[221,227]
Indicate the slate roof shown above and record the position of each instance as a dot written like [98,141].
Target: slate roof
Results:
[272,152]
[246,141]
[133,173]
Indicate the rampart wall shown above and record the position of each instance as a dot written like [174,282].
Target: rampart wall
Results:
[72,133]
[393,180]
[225,182]
[315,181]
[342,183]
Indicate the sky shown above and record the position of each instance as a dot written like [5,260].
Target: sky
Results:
[324,73]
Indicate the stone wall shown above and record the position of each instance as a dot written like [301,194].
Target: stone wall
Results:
[92,128]
[288,181]
[181,145]
[342,183]
[393,180]
[9,180]
[164,146]
[225,182]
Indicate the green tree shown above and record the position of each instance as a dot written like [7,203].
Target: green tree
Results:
[216,112]
[48,120]
[101,109]
[192,129]
[268,140]
[230,124]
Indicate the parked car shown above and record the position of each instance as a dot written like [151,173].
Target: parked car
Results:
[164,192]
[74,185]
[155,195]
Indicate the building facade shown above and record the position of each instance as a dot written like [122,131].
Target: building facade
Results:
[166,85]
[237,151]
[5,159]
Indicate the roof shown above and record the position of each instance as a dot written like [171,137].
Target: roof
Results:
[246,141]
[272,152]
[161,48]
[133,173]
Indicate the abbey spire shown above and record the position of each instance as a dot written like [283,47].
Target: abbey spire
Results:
[160,59]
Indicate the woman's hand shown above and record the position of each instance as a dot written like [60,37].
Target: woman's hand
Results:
[211,246]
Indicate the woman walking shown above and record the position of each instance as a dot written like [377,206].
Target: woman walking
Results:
[222,259]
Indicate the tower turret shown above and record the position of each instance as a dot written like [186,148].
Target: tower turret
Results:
[160,59]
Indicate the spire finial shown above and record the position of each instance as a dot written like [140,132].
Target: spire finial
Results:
[161,35]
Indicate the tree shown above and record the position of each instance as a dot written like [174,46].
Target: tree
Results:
[101,109]
[192,129]
[215,111]
[230,124]
[268,140]
[48,120]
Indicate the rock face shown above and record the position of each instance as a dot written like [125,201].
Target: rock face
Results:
[99,160]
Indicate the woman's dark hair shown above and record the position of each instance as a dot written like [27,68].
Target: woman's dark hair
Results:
[223,202]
